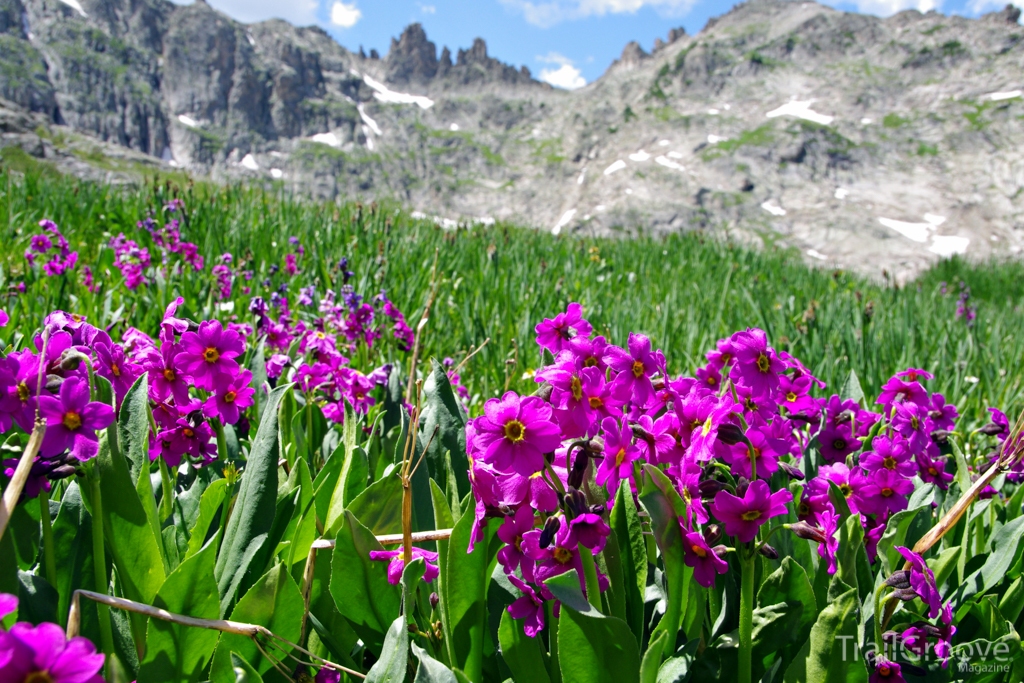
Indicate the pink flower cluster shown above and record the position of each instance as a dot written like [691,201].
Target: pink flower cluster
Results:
[33,654]
[52,250]
[733,440]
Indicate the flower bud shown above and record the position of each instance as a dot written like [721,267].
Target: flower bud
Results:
[547,535]
[579,469]
[992,429]
[899,579]
[741,486]
[730,434]
[941,437]
[905,594]
[641,433]
[844,417]
[434,600]
[71,360]
[53,383]
[791,471]
[62,472]
[806,531]
[769,552]
[710,487]
[712,534]
[575,504]
[544,392]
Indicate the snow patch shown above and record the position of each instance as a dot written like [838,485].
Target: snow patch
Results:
[668,163]
[713,112]
[842,193]
[629,190]
[664,143]
[675,155]
[600,207]
[915,231]
[188,121]
[617,166]
[385,94]
[1007,95]
[583,176]
[327,139]
[249,162]
[715,139]
[773,209]
[934,220]
[639,156]
[814,253]
[947,245]
[369,138]
[368,121]
[866,121]
[454,127]
[75,5]
[563,221]
[248,36]
[801,110]
[276,173]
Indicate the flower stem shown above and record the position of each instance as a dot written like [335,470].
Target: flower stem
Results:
[551,620]
[99,560]
[748,563]
[167,495]
[590,576]
[878,617]
[49,558]
[222,442]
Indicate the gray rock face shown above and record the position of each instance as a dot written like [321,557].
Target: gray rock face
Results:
[866,143]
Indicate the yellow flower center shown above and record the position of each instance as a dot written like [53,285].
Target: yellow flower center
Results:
[114,368]
[846,489]
[751,515]
[932,471]
[707,427]
[763,364]
[711,380]
[38,677]
[886,492]
[889,463]
[638,368]
[562,556]
[698,551]
[72,420]
[515,431]
[620,456]
[169,375]
[596,402]
[839,444]
[188,432]
[211,355]
[576,387]
[590,362]
[791,396]
[23,392]
[914,422]
[230,396]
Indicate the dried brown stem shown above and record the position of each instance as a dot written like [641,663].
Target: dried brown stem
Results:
[393,539]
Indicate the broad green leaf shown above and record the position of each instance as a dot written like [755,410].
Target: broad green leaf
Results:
[852,389]
[394,658]
[133,427]
[783,619]
[209,505]
[253,514]
[523,655]
[1012,601]
[379,507]
[442,410]
[431,670]
[275,602]
[360,585]
[664,505]
[895,534]
[990,574]
[258,367]
[175,652]
[651,662]
[355,471]
[593,648]
[128,534]
[72,543]
[243,671]
[632,559]
[465,589]
[326,482]
[831,655]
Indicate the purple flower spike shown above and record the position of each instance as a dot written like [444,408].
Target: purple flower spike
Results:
[705,561]
[744,516]
[72,421]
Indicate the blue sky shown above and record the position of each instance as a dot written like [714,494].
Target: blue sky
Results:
[567,42]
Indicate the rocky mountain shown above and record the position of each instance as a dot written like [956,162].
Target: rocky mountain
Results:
[866,143]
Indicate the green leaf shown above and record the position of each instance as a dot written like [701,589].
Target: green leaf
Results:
[128,533]
[379,507]
[465,589]
[394,658]
[665,507]
[209,504]
[593,648]
[824,659]
[326,482]
[852,389]
[355,472]
[895,534]
[431,670]
[632,559]
[360,585]
[783,619]
[253,514]
[175,652]
[523,655]
[651,662]
[133,426]
[72,543]
[442,409]
[1008,540]
[274,602]
[243,671]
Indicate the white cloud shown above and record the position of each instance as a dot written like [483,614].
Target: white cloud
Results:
[547,13]
[565,76]
[344,15]
[298,12]
[428,9]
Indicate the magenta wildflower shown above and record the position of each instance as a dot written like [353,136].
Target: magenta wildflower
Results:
[836,442]
[515,432]
[897,390]
[554,334]
[922,581]
[886,671]
[890,454]
[757,366]
[327,675]
[744,516]
[884,492]
[829,521]
[636,367]
[166,379]
[209,354]
[705,561]
[72,421]
[113,365]
[795,397]
[511,532]
[619,454]
[42,654]
[911,421]
[529,608]
[943,415]
[231,399]
[396,563]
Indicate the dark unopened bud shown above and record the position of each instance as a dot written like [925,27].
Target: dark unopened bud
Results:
[434,600]
[806,531]
[579,469]
[543,391]
[844,417]
[741,486]
[413,628]
[71,360]
[712,534]
[193,326]
[575,504]
[730,434]
[899,579]
[598,509]
[641,433]
[547,534]
[906,594]
[62,472]
[53,383]
[710,487]
[941,437]
[769,552]
[791,471]
[992,429]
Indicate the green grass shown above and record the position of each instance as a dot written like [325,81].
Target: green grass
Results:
[685,290]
